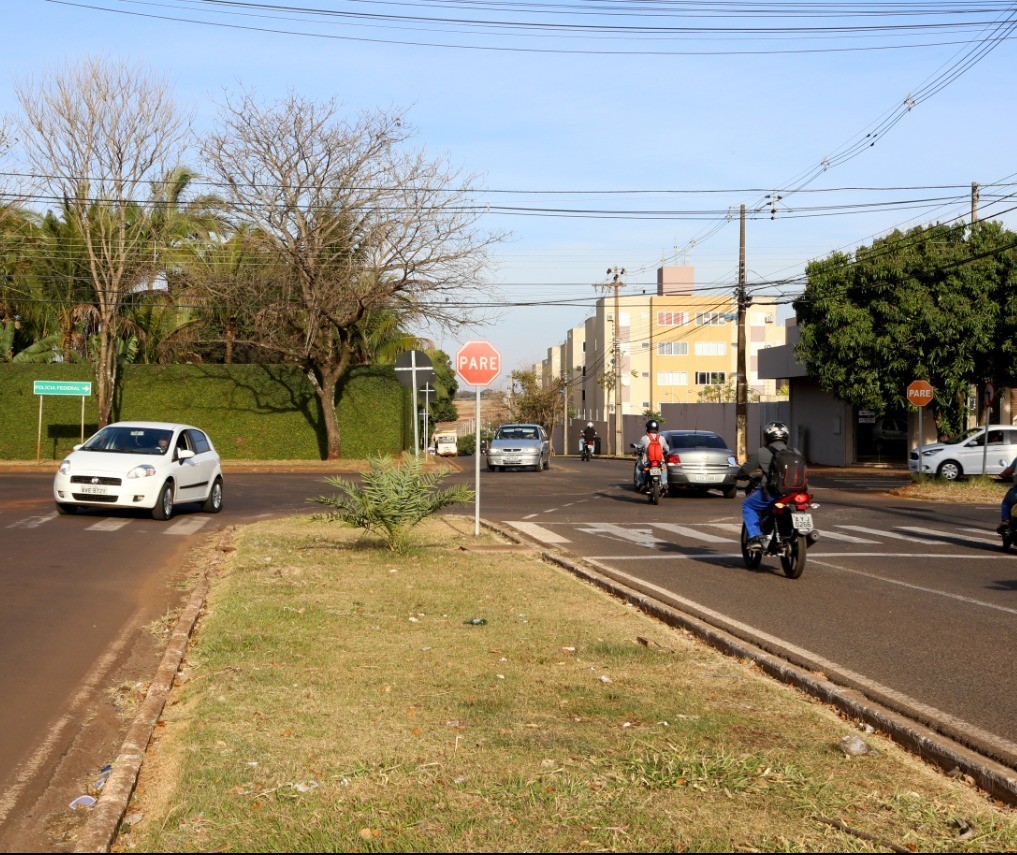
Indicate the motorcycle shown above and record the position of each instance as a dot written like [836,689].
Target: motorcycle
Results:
[788,532]
[1009,533]
[653,484]
[588,448]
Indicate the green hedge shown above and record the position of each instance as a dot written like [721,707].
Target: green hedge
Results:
[252,412]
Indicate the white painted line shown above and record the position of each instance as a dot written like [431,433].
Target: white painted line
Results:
[109,525]
[686,531]
[187,525]
[668,556]
[639,536]
[948,535]
[34,522]
[530,516]
[883,533]
[538,532]
[933,591]
[826,534]
[984,532]
[737,529]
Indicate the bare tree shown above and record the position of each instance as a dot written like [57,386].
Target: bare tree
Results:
[101,134]
[360,223]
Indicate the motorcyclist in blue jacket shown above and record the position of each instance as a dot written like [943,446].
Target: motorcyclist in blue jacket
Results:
[775,437]
[1010,499]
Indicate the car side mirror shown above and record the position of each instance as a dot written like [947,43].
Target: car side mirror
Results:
[184,454]
[78,446]
[971,444]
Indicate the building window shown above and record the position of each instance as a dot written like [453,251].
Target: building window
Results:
[672,319]
[709,319]
[672,348]
[672,378]
[711,348]
[711,378]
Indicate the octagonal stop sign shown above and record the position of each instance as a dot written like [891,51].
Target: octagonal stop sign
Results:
[920,393]
[478,363]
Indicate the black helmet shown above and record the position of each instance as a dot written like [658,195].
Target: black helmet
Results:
[776,432]
[653,426]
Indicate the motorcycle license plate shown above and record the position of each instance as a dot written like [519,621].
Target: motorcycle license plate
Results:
[802,522]
[654,470]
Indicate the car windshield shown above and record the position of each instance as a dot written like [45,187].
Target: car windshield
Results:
[695,440]
[516,432]
[130,440]
[953,440]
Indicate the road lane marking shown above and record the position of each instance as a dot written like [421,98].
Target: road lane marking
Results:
[668,556]
[538,532]
[686,531]
[187,525]
[34,522]
[883,533]
[825,533]
[737,529]
[639,536]
[108,525]
[947,535]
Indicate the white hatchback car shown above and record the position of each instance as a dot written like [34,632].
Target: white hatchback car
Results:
[151,465]
[965,454]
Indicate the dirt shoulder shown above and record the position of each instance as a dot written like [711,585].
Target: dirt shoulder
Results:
[469,697]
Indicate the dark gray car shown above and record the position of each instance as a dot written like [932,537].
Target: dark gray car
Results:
[700,460]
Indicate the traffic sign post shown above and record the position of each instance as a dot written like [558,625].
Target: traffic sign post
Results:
[477,364]
[60,388]
[411,369]
[920,393]
[990,398]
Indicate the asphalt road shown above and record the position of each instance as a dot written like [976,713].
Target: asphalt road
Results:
[918,597]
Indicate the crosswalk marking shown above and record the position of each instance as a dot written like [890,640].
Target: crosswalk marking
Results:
[640,537]
[112,524]
[737,529]
[940,534]
[34,522]
[538,532]
[884,533]
[847,538]
[691,532]
[187,525]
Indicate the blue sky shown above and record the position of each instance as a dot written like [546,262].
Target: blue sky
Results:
[595,122]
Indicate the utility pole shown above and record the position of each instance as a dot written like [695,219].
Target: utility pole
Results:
[741,387]
[615,282]
[974,202]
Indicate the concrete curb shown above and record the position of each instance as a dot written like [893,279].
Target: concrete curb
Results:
[937,738]
[99,832]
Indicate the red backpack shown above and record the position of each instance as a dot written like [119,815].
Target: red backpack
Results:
[655,451]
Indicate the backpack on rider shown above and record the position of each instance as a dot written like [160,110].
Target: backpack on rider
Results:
[654,451]
[788,471]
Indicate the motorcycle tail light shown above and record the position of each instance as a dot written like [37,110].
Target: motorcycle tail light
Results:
[801,498]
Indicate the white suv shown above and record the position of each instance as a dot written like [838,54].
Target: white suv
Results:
[964,455]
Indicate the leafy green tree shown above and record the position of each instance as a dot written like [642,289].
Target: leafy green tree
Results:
[533,402]
[443,407]
[935,303]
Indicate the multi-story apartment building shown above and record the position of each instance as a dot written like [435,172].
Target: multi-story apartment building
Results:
[671,346]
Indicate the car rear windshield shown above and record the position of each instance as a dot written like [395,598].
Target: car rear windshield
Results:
[130,440]
[695,440]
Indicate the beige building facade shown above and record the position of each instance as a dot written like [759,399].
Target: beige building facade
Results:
[675,346]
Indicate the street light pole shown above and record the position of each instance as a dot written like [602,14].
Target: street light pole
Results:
[616,282]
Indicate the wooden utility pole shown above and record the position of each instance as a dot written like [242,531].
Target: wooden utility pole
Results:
[974,202]
[741,387]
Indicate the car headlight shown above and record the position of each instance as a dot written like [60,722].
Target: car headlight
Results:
[65,467]
[929,453]
[143,471]
[732,462]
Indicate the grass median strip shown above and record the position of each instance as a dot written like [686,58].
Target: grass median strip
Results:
[341,698]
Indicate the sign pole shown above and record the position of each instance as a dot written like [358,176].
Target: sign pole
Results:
[82,419]
[38,442]
[921,433]
[476,471]
[985,439]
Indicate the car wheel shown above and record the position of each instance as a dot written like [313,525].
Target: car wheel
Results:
[213,504]
[950,470]
[163,509]
[730,492]
[66,509]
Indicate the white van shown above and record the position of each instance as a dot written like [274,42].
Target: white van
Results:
[446,444]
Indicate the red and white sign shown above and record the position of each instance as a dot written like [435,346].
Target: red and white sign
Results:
[920,393]
[478,363]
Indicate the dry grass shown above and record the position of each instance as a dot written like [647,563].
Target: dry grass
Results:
[987,490]
[338,702]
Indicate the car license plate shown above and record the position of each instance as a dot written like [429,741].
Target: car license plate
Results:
[802,522]
[512,459]
[654,470]
[95,491]
[702,478]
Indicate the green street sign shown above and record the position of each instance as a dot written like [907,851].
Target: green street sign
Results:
[63,387]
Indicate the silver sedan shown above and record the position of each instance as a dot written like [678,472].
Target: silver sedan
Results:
[516,446]
[700,460]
